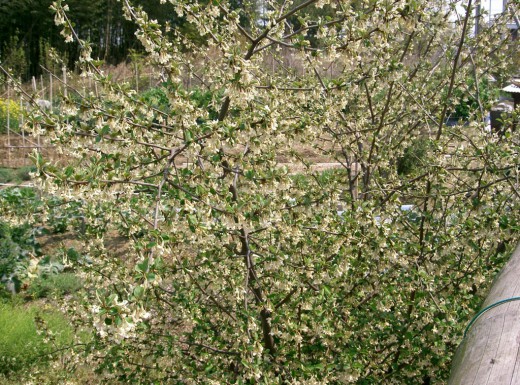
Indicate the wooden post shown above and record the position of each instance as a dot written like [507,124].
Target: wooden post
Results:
[355,168]
[189,76]
[64,71]
[50,89]
[478,15]
[488,355]
[8,117]
[21,116]
[8,124]
[136,75]
[273,68]
[22,130]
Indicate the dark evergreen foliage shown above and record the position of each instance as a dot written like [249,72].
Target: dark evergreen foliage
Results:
[27,31]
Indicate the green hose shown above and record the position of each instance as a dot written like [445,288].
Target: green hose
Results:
[489,308]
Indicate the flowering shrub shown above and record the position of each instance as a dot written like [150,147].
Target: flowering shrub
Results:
[241,271]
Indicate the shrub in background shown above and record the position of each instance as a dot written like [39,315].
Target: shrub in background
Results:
[414,156]
[15,114]
[54,285]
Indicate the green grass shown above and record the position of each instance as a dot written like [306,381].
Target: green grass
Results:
[6,175]
[21,347]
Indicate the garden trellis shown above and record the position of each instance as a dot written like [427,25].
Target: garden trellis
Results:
[45,91]
[17,143]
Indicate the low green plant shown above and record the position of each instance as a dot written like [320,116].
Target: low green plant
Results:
[16,175]
[156,97]
[28,204]
[6,175]
[17,245]
[29,335]
[62,214]
[54,285]
[24,201]
[23,174]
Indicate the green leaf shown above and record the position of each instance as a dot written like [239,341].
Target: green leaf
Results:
[143,266]
[188,136]
[139,291]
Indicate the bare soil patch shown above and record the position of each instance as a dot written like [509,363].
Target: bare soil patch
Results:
[115,243]
[15,150]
